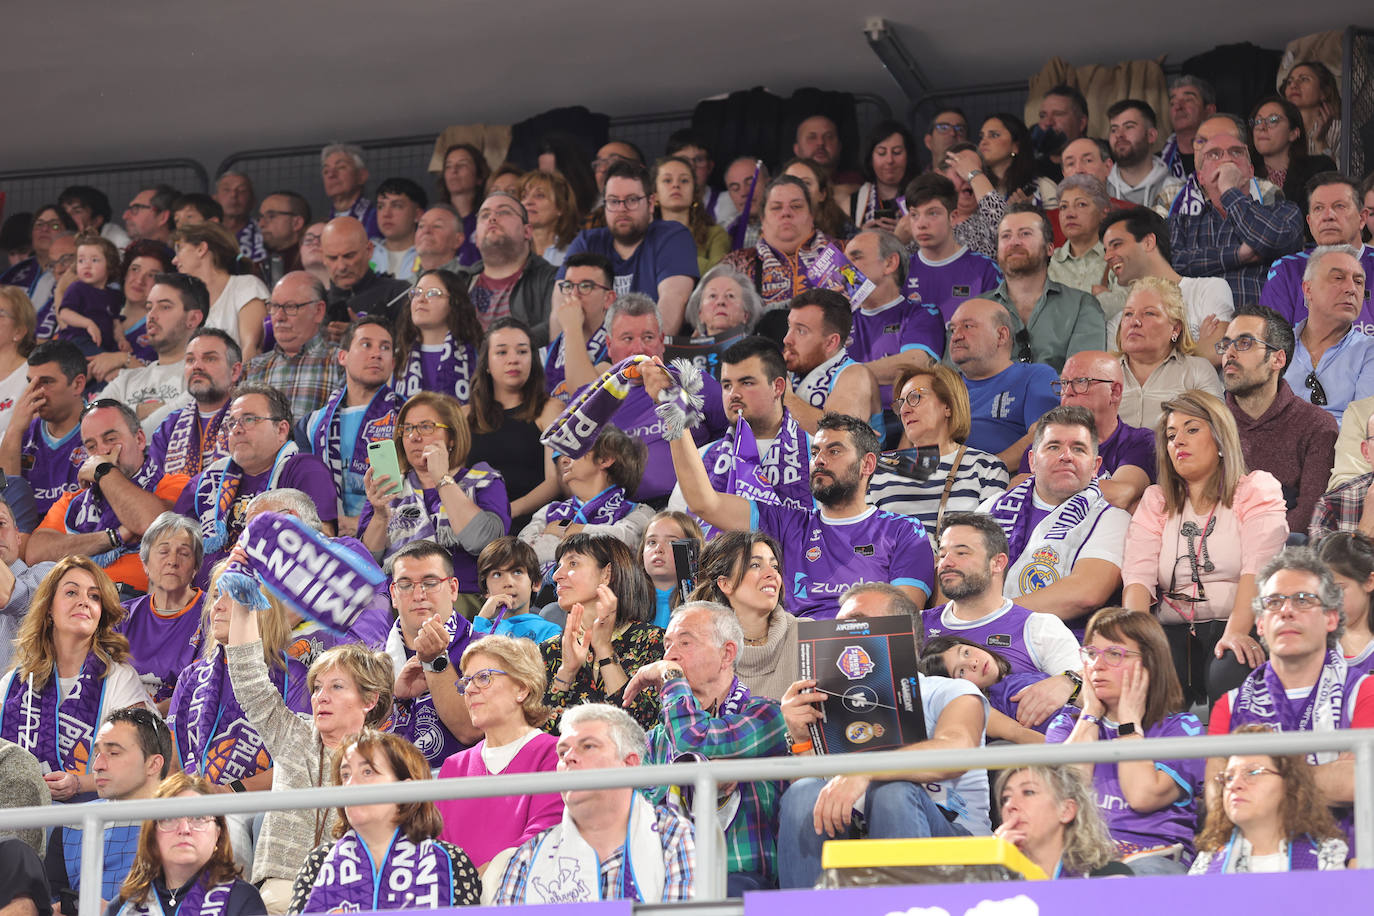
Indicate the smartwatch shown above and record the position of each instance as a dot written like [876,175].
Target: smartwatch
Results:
[439,664]
[1126,728]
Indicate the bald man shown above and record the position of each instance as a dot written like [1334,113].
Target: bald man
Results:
[1093,379]
[354,288]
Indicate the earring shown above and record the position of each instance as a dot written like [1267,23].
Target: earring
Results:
[1219,454]
[1173,339]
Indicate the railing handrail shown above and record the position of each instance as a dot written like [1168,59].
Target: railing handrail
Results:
[107,167]
[705,776]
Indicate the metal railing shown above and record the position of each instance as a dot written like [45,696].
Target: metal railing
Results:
[704,778]
[29,189]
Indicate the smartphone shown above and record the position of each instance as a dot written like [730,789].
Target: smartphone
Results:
[886,214]
[381,457]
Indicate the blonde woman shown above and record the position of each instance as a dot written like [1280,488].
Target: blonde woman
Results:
[1156,350]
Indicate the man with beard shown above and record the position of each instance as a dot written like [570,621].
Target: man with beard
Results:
[840,542]
[43,441]
[824,378]
[1138,176]
[769,443]
[1279,432]
[193,436]
[1058,320]
[1066,542]
[177,305]
[972,566]
[282,218]
[650,256]
[1333,363]
[510,280]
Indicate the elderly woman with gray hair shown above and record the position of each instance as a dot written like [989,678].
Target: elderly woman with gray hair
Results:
[724,305]
[163,626]
[1081,262]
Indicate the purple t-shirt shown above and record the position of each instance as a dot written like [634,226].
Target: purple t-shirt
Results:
[1000,695]
[100,306]
[301,471]
[137,336]
[637,419]
[949,283]
[1283,289]
[1003,631]
[666,251]
[161,648]
[825,557]
[901,325]
[1132,831]
[50,465]
[555,367]
[1131,445]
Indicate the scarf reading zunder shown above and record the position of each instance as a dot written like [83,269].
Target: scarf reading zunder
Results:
[379,422]
[214,521]
[57,732]
[1058,538]
[213,736]
[186,449]
[680,407]
[1192,199]
[1302,855]
[314,576]
[412,876]
[454,376]
[565,868]
[200,900]
[1262,698]
[832,270]
[417,516]
[89,511]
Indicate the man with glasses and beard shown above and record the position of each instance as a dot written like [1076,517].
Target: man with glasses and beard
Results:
[651,256]
[510,280]
[1279,432]
[1333,363]
[842,541]
[971,567]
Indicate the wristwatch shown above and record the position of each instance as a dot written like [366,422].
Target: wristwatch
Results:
[439,664]
[1125,729]
[101,471]
[973,173]
[1077,680]
[611,659]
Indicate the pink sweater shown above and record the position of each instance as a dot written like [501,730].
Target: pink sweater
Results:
[482,827]
[1248,533]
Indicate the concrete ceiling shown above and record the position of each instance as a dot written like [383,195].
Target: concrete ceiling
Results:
[91,81]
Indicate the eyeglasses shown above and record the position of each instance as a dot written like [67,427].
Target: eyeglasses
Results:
[245,422]
[1216,154]
[1076,385]
[912,399]
[481,680]
[135,208]
[1023,353]
[431,293]
[583,287]
[1270,121]
[1300,601]
[625,203]
[959,130]
[427,584]
[53,224]
[289,309]
[200,823]
[1243,344]
[1226,777]
[423,428]
[1113,656]
[1314,385]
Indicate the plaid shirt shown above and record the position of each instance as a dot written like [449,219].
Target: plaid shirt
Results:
[679,857]
[759,731]
[1340,509]
[307,379]
[121,848]
[1206,245]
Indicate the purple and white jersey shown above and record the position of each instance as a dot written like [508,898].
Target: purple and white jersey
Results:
[555,370]
[1133,831]
[1283,289]
[826,556]
[637,419]
[50,465]
[949,283]
[161,648]
[1005,631]
[901,325]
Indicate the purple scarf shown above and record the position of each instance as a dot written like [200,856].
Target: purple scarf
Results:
[414,516]
[379,422]
[200,900]
[454,376]
[214,520]
[416,719]
[741,224]
[411,877]
[605,508]
[832,270]
[212,734]
[1302,855]
[88,511]
[27,713]
[186,454]
[575,431]
[1262,698]
[309,573]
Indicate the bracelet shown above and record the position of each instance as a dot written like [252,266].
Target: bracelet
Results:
[445,481]
[973,174]
[803,747]
[113,535]
[566,685]
[1089,717]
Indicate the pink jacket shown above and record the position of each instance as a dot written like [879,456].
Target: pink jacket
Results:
[482,827]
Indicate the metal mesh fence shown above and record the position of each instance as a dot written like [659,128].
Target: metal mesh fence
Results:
[1359,84]
[27,190]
